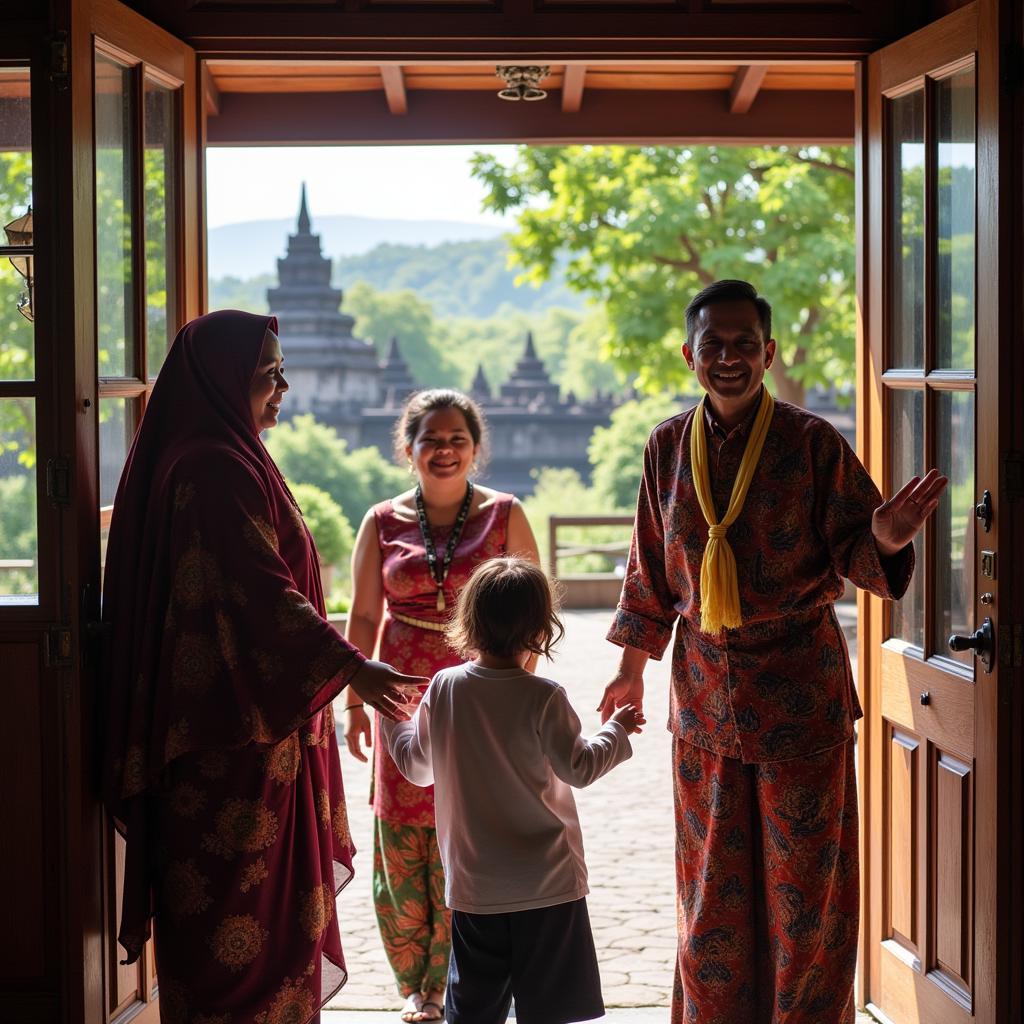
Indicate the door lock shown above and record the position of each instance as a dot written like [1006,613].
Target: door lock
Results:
[983,511]
[982,641]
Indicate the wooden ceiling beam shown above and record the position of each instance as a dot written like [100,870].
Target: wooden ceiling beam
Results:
[745,86]
[394,88]
[304,119]
[572,88]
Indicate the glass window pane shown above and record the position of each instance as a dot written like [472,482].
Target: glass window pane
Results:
[162,204]
[115,304]
[954,520]
[117,427]
[906,212]
[954,323]
[906,451]
[17,348]
[17,338]
[19,544]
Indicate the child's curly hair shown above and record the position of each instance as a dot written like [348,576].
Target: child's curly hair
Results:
[506,608]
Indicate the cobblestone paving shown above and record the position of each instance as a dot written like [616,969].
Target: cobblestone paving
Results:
[627,829]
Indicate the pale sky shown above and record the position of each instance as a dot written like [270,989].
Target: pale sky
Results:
[404,182]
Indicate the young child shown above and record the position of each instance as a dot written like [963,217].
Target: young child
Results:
[502,747]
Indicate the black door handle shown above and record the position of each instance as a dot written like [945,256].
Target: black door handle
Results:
[982,641]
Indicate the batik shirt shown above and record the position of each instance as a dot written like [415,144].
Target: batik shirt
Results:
[779,686]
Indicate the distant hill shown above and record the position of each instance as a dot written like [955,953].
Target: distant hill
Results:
[468,278]
[251,248]
[457,278]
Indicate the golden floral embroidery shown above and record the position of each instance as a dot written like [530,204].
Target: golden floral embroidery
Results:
[269,666]
[293,1004]
[323,807]
[284,760]
[185,889]
[295,613]
[183,494]
[133,777]
[241,826]
[195,663]
[226,640]
[316,909]
[177,740]
[186,800]
[260,535]
[197,578]
[339,822]
[322,669]
[255,873]
[214,765]
[238,940]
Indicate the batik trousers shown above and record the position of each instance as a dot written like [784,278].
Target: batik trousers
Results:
[767,888]
[408,895]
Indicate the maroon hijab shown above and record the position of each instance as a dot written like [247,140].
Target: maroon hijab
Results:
[212,592]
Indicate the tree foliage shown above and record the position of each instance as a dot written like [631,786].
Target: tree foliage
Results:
[308,452]
[646,227]
[616,451]
[330,528]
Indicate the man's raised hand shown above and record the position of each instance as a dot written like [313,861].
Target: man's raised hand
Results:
[896,522]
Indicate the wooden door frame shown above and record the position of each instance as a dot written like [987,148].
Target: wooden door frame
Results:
[997,930]
[87,997]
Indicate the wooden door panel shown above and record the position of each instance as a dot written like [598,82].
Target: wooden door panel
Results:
[951,835]
[903,771]
[23,946]
[946,716]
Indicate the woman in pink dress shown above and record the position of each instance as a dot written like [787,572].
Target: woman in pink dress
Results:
[413,555]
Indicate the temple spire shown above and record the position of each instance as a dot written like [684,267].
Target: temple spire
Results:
[480,389]
[304,225]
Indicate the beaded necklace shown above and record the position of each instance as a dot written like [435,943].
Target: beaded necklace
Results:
[453,540]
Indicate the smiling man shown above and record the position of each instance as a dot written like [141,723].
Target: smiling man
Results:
[750,514]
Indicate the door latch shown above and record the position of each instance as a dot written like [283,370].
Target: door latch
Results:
[983,511]
[982,641]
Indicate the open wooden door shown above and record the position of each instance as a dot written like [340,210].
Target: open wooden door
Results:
[137,127]
[935,751]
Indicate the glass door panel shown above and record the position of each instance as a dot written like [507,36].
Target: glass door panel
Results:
[115,203]
[19,476]
[955,186]
[906,146]
[117,427]
[160,182]
[906,434]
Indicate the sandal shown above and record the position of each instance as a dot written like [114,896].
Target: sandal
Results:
[436,1009]
[413,1008]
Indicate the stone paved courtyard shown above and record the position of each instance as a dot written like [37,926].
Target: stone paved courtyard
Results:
[628,832]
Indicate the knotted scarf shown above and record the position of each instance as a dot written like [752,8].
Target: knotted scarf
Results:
[719,584]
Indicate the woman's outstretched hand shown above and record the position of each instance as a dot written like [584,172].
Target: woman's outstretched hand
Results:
[896,522]
[358,733]
[385,690]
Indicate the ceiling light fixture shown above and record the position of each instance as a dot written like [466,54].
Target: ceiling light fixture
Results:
[522,82]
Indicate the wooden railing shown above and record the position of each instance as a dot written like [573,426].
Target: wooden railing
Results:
[587,589]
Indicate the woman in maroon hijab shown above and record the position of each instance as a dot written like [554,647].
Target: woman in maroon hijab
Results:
[221,766]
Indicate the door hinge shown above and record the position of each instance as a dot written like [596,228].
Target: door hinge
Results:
[1011,645]
[58,480]
[1013,476]
[60,61]
[57,652]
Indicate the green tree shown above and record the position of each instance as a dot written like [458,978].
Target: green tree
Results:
[330,528]
[308,452]
[405,316]
[616,451]
[646,227]
[248,293]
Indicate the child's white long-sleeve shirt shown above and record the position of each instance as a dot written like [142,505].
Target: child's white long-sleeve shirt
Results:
[502,748]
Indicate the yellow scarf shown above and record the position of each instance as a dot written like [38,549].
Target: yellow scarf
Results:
[719,585]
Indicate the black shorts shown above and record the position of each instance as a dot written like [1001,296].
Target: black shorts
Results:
[543,958]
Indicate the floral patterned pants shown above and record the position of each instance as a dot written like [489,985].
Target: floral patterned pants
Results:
[767,888]
[408,895]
